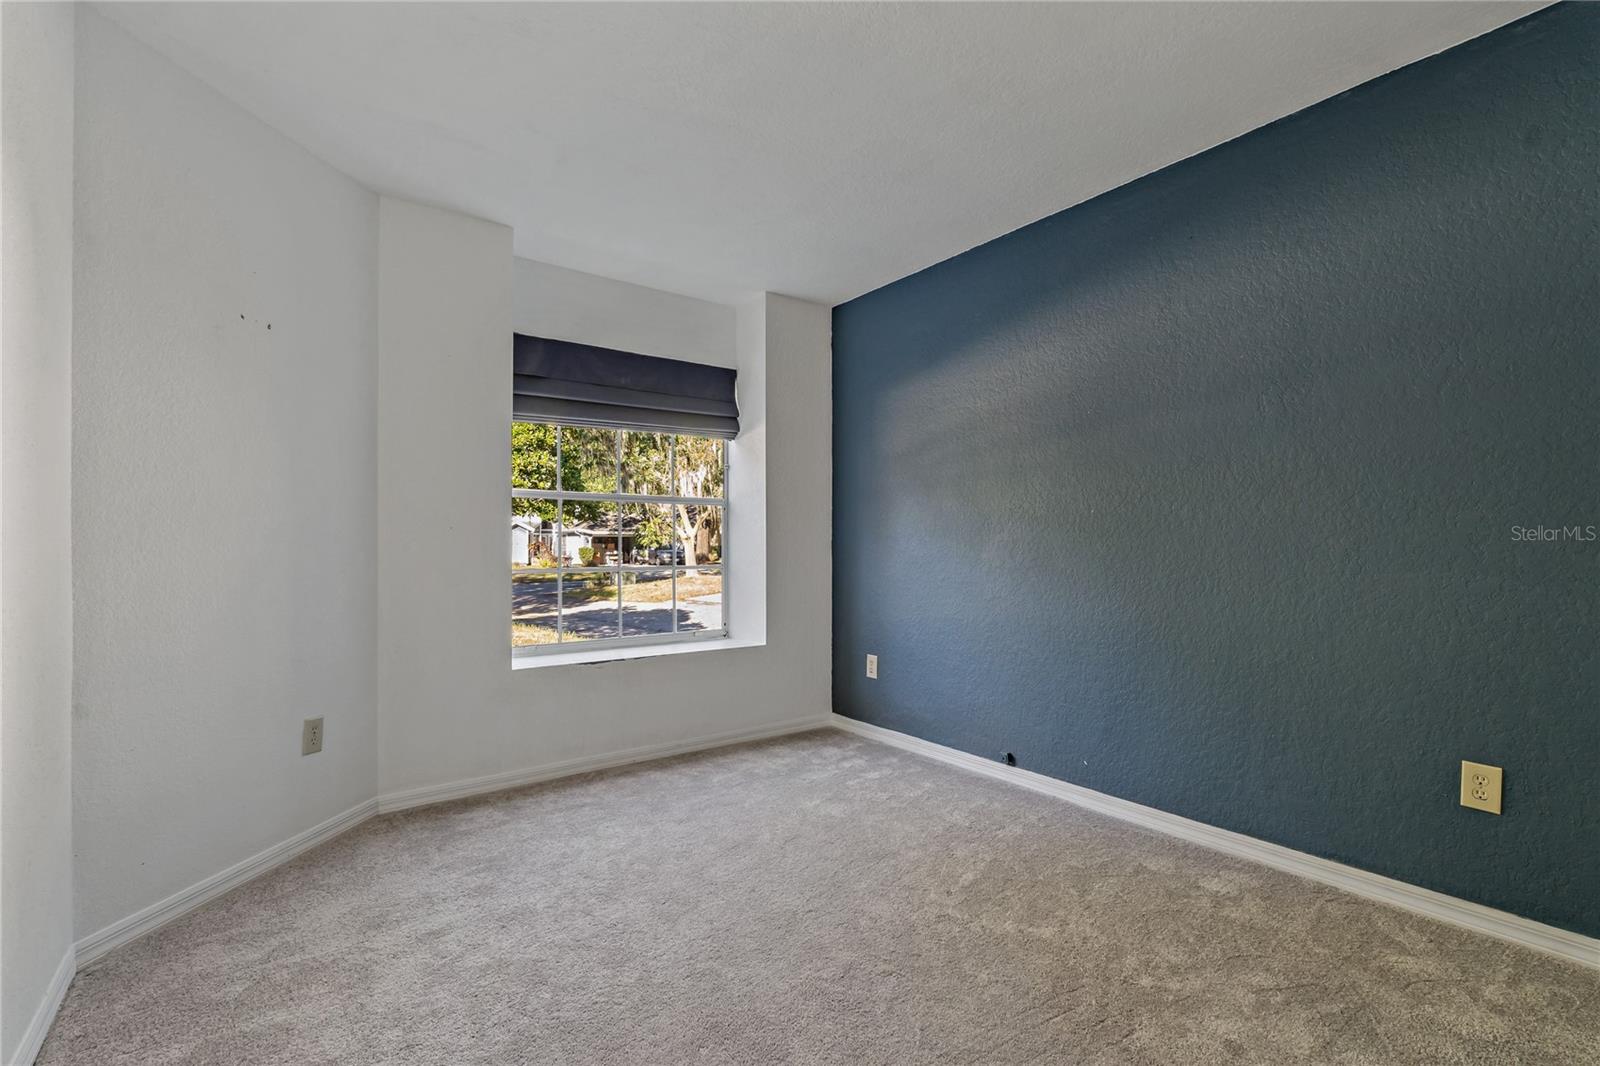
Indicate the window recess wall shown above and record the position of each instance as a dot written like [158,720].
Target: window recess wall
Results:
[453,705]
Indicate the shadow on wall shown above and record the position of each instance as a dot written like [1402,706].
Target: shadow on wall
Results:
[1202,493]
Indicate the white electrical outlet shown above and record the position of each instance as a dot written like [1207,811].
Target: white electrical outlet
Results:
[872,666]
[311,736]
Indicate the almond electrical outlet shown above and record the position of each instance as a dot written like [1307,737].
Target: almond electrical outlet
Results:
[872,666]
[311,736]
[1480,786]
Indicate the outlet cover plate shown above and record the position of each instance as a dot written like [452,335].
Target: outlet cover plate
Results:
[1480,786]
[872,666]
[311,736]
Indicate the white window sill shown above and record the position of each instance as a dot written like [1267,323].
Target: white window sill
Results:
[637,651]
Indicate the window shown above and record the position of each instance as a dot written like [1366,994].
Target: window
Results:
[617,536]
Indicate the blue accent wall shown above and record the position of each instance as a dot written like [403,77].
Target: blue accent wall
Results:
[1204,493]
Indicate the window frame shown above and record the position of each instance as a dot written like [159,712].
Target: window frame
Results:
[560,496]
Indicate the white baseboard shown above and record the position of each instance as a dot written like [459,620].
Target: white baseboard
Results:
[156,915]
[1574,947]
[477,786]
[176,905]
[39,1025]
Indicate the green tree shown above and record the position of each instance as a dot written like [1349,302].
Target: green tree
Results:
[698,470]
[650,464]
[533,466]
[588,464]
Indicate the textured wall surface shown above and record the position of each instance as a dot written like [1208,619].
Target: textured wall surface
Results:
[1202,494]
[224,495]
[36,64]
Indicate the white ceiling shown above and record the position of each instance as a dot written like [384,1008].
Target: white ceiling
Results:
[810,149]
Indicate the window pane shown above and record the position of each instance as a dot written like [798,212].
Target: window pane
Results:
[588,459]
[645,463]
[533,607]
[697,470]
[646,603]
[533,455]
[565,556]
[588,606]
[533,532]
[699,600]
[698,531]
[647,535]
[589,533]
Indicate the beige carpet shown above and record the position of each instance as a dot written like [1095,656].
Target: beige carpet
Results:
[820,899]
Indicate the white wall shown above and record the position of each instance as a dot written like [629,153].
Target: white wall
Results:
[569,305]
[229,482]
[36,57]
[798,442]
[224,497]
[451,706]
[444,301]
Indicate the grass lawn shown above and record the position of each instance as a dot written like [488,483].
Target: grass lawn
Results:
[660,591]
[525,635]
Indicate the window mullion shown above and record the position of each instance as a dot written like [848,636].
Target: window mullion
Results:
[561,548]
[608,497]
[616,509]
[672,523]
[722,571]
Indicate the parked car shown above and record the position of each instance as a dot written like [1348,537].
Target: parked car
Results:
[665,555]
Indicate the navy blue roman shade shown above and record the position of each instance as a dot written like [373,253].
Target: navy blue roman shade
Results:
[582,385]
